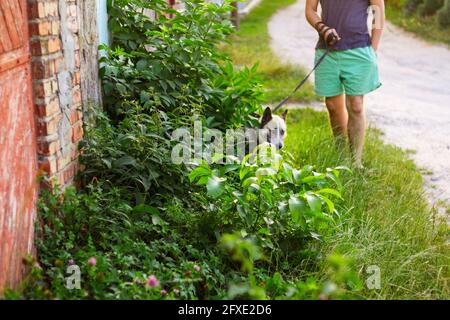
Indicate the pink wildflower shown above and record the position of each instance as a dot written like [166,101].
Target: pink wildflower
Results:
[152,281]
[92,261]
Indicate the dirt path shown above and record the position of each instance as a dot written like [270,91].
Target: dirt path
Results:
[413,106]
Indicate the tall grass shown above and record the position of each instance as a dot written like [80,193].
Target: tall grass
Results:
[385,218]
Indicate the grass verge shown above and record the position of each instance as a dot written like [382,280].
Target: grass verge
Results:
[385,218]
[425,27]
[251,45]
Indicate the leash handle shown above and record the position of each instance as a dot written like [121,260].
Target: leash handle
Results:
[282,103]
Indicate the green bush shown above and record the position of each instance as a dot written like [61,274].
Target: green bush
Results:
[443,15]
[429,7]
[135,154]
[173,65]
[275,201]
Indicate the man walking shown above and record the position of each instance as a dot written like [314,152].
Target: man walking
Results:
[350,70]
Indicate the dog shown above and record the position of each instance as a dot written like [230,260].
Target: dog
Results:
[273,128]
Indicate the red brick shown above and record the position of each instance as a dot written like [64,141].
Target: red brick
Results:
[48,148]
[40,28]
[56,26]
[44,89]
[51,9]
[68,173]
[75,115]
[44,46]
[76,96]
[76,78]
[77,131]
[48,107]
[43,67]
[62,161]
[46,127]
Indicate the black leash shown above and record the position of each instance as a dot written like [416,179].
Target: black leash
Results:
[305,79]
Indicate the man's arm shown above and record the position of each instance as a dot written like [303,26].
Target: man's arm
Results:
[315,20]
[379,20]
[311,12]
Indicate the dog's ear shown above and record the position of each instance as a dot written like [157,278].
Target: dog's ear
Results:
[284,114]
[267,117]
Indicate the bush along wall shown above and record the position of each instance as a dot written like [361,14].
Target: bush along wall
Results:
[142,227]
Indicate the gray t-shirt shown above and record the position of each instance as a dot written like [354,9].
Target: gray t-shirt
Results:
[349,18]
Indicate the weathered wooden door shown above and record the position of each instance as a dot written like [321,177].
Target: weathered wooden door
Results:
[18,163]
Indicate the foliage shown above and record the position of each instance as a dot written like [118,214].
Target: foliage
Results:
[274,200]
[410,6]
[134,154]
[172,65]
[343,282]
[429,7]
[443,15]
[129,244]
[430,28]
[135,244]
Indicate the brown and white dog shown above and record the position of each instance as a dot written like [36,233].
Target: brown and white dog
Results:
[275,128]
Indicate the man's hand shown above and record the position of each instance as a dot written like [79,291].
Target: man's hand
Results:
[331,40]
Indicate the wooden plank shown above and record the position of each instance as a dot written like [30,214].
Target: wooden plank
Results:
[18,19]
[14,61]
[4,36]
[8,15]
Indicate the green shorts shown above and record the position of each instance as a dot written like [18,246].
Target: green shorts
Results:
[353,72]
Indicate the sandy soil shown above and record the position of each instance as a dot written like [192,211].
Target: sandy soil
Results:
[413,106]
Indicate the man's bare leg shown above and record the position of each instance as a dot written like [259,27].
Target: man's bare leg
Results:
[338,115]
[356,127]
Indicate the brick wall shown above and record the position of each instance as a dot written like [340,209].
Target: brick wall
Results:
[55,47]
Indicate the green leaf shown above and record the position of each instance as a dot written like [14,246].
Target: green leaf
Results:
[315,178]
[124,161]
[142,65]
[249,181]
[215,186]
[329,203]
[297,207]
[330,191]
[156,220]
[199,172]
[314,202]
[144,208]
[229,167]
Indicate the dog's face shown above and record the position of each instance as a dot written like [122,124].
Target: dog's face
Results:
[275,126]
